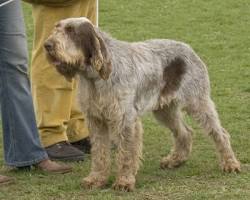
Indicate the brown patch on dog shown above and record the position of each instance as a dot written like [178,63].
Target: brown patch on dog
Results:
[94,49]
[172,76]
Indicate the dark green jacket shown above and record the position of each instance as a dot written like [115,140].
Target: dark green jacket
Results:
[56,3]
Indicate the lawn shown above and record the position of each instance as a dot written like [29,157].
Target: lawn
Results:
[220,32]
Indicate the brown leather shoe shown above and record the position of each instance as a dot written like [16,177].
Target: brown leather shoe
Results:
[53,167]
[4,180]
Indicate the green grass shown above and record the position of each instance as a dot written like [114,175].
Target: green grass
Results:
[219,32]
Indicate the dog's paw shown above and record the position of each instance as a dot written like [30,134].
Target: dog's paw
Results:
[231,165]
[126,184]
[91,182]
[171,161]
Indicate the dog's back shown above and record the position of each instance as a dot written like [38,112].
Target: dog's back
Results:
[156,68]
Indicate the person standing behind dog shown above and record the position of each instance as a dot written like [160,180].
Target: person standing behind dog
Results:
[60,122]
[22,147]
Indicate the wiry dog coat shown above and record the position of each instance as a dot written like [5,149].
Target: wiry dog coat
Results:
[120,81]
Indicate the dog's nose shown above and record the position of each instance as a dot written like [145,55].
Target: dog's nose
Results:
[48,45]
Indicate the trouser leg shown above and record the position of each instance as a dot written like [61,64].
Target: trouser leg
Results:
[21,140]
[54,96]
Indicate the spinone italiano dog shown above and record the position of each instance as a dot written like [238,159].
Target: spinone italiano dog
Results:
[120,81]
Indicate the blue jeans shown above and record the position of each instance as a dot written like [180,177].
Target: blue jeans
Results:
[22,146]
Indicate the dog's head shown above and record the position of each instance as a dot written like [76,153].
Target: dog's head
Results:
[76,45]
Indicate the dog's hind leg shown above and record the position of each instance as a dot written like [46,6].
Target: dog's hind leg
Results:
[171,117]
[205,113]
[128,156]
[100,154]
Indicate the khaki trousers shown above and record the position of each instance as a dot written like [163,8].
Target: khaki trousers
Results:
[58,115]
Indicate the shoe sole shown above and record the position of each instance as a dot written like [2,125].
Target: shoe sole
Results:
[59,172]
[69,159]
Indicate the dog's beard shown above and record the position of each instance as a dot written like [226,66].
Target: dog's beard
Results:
[52,58]
[66,69]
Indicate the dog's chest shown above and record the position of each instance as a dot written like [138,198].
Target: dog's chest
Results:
[98,101]
[106,108]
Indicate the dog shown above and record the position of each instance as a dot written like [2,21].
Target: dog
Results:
[120,81]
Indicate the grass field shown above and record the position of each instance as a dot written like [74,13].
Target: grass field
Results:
[220,32]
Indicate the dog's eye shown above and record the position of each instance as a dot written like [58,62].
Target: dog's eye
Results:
[58,24]
[69,29]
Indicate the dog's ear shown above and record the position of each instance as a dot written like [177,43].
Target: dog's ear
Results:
[106,68]
[95,50]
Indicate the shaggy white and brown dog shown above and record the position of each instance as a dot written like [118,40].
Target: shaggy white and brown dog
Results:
[120,81]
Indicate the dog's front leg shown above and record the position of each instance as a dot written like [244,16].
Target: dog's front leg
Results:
[128,156]
[100,154]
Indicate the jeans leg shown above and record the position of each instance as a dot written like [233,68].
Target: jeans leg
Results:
[22,146]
